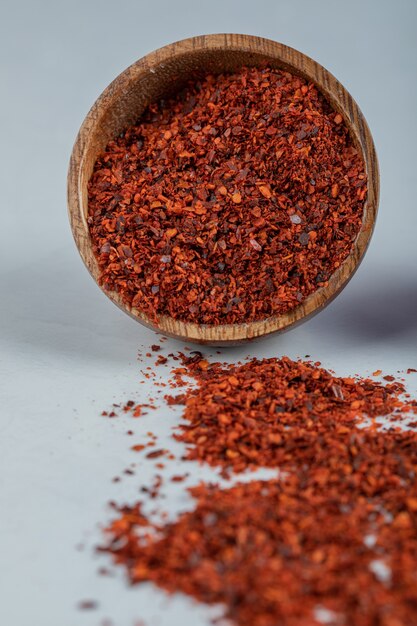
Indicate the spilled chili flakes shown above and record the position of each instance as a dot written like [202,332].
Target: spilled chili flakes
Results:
[231,202]
[272,412]
[331,539]
[284,551]
[178,399]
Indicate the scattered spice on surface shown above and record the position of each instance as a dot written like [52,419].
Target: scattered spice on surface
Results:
[273,552]
[332,538]
[231,202]
[275,412]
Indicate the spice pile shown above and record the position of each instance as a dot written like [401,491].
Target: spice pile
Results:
[332,539]
[231,202]
[278,412]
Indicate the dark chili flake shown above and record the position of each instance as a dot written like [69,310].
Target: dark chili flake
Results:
[230,202]
[178,478]
[155,454]
[87,605]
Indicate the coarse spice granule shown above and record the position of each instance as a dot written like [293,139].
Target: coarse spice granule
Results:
[230,202]
[332,539]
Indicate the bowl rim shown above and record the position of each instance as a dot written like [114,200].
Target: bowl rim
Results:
[288,58]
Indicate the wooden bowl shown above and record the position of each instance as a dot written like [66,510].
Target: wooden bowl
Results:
[163,72]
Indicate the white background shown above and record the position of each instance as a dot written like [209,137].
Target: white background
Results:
[67,353]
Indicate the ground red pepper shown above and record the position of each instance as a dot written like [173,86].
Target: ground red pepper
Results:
[332,539]
[230,202]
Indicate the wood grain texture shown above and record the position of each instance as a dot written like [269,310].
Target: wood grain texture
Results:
[162,72]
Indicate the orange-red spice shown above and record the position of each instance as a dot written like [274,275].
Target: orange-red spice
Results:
[288,551]
[332,539]
[230,202]
[268,412]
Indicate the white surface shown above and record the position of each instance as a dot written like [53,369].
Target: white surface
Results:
[67,353]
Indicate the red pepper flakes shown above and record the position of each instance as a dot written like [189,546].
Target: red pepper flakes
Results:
[276,552]
[333,538]
[173,400]
[275,411]
[231,202]
[130,406]
[156,453]
[179,478]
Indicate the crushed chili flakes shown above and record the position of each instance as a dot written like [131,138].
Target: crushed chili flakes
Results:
[273,412]
[276,552]
[231,202]
[178,399]
[332,539]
